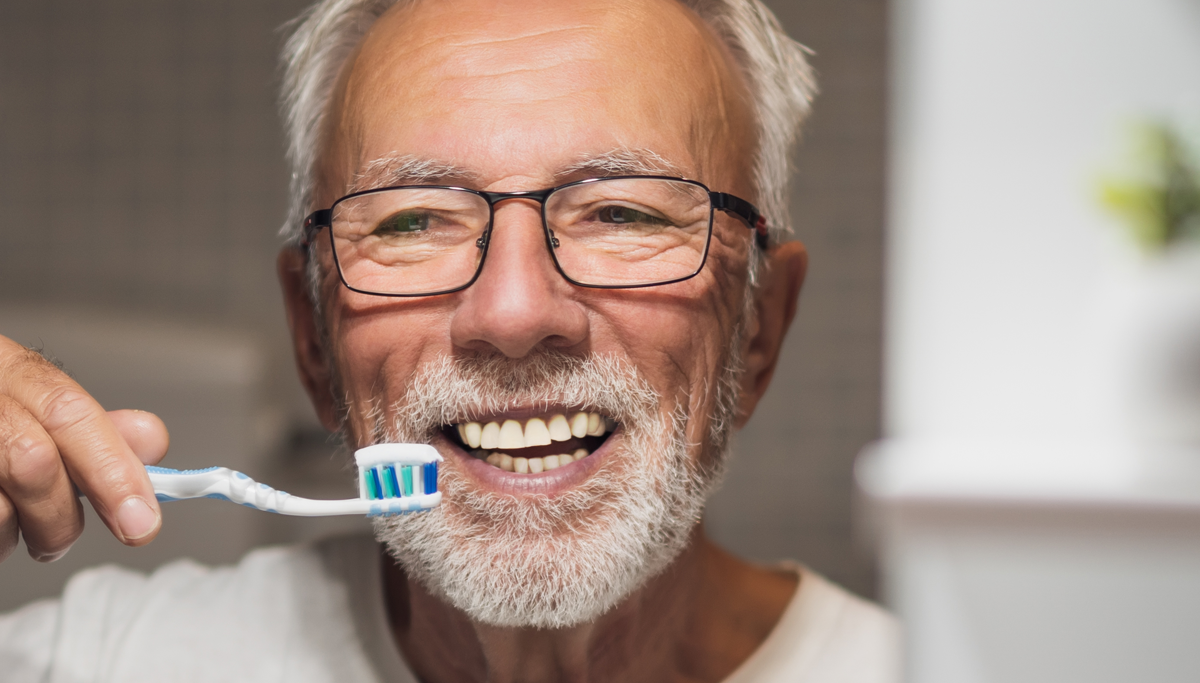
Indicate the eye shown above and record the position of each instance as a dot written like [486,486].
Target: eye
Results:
[405,222]
[622,215]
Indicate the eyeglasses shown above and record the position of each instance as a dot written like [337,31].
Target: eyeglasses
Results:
[610,233]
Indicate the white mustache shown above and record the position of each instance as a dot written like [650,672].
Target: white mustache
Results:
[451,390]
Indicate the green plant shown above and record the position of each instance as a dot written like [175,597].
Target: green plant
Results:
[1159,197]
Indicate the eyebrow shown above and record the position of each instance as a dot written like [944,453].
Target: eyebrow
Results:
[622,161]
[408,170]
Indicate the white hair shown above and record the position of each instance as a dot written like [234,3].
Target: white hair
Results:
[780,79]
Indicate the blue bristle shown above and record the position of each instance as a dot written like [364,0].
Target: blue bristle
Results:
[389,474]
[430,476]
[374,489]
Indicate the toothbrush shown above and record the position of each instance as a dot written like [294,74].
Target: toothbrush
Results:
[393,478]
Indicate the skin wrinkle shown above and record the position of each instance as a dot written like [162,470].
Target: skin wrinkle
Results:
[429,46]
[583,29]
[375,345]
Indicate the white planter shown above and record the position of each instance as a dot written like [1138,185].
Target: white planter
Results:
[1157,363]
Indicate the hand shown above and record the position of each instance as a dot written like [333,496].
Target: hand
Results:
[55,437]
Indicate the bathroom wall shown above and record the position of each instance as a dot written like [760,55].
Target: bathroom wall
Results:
[141,176]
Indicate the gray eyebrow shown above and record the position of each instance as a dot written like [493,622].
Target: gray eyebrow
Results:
[623,161]
[408,170]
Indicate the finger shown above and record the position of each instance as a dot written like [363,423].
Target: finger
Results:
[8,527]
[96,457]
[144,432]
[35,482]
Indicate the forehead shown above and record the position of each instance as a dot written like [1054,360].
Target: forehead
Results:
[526,88]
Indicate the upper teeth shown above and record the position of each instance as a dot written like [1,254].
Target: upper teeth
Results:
[537,431]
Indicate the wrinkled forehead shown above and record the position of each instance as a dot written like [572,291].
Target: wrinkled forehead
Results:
[526,88]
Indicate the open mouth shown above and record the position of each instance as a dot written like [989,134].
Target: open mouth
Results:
[537,444]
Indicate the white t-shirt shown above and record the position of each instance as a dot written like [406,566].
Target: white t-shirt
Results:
[315,614]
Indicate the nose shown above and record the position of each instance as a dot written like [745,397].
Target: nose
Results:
[519,302]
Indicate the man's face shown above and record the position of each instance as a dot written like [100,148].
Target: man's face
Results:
[521,96]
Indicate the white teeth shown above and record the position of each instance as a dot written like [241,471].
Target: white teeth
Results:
[559,429]
[490,436]
[536,433]
[472,434]
[511,435]
[485,440]
[508,463]
[595,424]
[579,425]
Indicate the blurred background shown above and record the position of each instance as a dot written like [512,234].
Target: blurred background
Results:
[143,184]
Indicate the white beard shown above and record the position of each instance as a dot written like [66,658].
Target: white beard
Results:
[553,561]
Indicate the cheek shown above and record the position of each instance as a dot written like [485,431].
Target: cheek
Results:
[678,337]
[379,346]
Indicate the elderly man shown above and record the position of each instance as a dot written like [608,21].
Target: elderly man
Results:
[547,238]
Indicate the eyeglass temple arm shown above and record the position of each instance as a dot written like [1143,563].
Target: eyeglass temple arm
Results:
[313,224]
[746,211]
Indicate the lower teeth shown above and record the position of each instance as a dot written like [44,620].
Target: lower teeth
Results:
[520,465]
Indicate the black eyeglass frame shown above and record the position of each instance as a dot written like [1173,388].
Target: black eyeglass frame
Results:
[718,201]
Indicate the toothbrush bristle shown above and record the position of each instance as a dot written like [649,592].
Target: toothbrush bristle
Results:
[400,481]
[389,478]
[430,476]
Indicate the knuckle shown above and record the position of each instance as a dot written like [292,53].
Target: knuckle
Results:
[65,406]
[32,464]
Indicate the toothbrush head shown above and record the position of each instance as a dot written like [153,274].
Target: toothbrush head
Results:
[398,477]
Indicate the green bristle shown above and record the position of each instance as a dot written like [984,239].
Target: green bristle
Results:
[389,489]
[407,480]
[373,488]
[389,478]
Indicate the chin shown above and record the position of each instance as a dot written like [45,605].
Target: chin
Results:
[562,545]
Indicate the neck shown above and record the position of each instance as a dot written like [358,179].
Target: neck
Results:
[696,621]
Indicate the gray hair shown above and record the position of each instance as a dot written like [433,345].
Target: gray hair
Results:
[774,66]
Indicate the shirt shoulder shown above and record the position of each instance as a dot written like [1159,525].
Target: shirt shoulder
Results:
[280,614]
[827,635]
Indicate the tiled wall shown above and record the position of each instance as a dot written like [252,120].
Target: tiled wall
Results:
[789,493]
[141,169]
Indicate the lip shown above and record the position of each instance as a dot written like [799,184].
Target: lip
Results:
[496,480]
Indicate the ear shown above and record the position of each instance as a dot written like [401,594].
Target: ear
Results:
[775,306]
[311,360]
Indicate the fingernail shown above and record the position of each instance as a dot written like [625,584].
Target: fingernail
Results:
[136,518]
[50,557]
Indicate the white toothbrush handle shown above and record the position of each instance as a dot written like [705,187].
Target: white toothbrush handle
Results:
[225,484]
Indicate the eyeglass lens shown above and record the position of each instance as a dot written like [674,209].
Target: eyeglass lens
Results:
[611,232]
